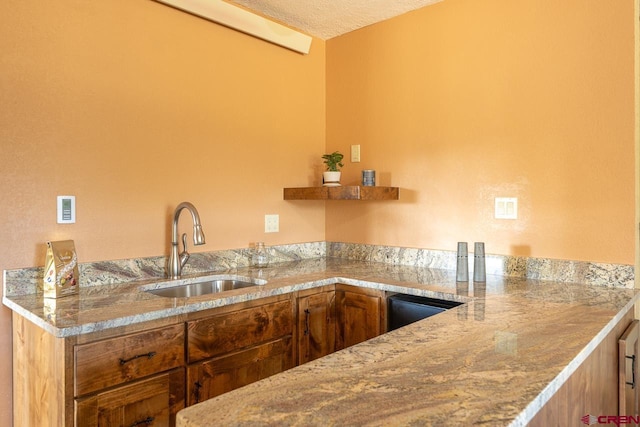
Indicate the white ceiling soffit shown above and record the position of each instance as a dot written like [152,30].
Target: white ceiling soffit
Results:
[245,21]
[326,19]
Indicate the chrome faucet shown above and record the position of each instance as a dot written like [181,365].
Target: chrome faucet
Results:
[178,260]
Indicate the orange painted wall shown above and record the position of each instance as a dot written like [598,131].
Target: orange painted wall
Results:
[133,107]
[467,100]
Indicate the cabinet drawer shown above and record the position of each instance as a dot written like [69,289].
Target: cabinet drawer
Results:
[219,375]
[115,361]
[153,401]
[223,333]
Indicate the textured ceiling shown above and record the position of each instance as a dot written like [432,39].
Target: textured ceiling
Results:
[330,18]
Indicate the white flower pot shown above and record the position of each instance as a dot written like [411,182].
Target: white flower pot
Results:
[331,179]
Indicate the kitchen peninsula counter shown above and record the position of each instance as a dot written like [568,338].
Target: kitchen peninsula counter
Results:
[494,360]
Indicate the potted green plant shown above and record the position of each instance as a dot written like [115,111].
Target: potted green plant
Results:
[333,161]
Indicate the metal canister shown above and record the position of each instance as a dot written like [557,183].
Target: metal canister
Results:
[368,178]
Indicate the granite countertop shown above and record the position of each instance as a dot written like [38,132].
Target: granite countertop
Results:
[495,359]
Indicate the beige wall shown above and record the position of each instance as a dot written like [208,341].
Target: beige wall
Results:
[133,107]
[465,101]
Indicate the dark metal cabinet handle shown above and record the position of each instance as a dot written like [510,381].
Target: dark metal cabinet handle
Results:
[147,355]
[307,314]
[196,392]
[633,371]
[146,421]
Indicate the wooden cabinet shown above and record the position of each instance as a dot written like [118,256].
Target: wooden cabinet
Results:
[145,373]
[316,323]
[108,378]
[592,388]
[122,360]
[239,345]
[628,349]
[152,401]
[106,363]
[336,317]
[360,315]
[213,377]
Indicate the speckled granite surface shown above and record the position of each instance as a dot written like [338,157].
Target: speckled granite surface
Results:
[29,280]
[591,273]
[494,360]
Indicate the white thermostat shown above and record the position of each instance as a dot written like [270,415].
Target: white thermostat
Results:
[66,209]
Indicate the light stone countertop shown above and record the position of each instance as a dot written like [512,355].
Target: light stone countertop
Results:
[494,360]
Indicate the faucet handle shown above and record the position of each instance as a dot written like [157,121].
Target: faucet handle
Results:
[184,255]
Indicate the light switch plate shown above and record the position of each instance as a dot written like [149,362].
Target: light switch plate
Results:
[66,209]
[271,223]
[506,208]
[355,153]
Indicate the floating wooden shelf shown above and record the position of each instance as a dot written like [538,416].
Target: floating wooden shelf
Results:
[346,192]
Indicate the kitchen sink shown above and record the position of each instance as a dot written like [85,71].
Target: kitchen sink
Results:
[191,288]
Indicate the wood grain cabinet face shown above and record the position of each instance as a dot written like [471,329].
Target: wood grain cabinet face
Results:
[360,315]
[592,388]
[220,334]
[219,375]
[92,380]
[628,370]
[149,402]
[131,363]
[316,326]
[230,350]
[145,376]
[337,316]
[110,362]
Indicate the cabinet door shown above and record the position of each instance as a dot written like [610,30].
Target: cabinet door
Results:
[628,370]
[316,326]
[359,315]
[222,374]
[152,401]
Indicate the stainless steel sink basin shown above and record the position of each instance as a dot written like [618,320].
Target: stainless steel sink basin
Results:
[204,287]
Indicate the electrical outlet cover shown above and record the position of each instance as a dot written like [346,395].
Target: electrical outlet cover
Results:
[271,223]
[506,208]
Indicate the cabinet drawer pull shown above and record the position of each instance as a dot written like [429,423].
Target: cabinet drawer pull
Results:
[146,421]
[147,355]
[633,371]
[196,391]
[307,313]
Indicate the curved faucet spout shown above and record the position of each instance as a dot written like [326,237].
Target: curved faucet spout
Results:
[178,260]
[198,234]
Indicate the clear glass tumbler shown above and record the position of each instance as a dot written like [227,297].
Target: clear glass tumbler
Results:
[260,256]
